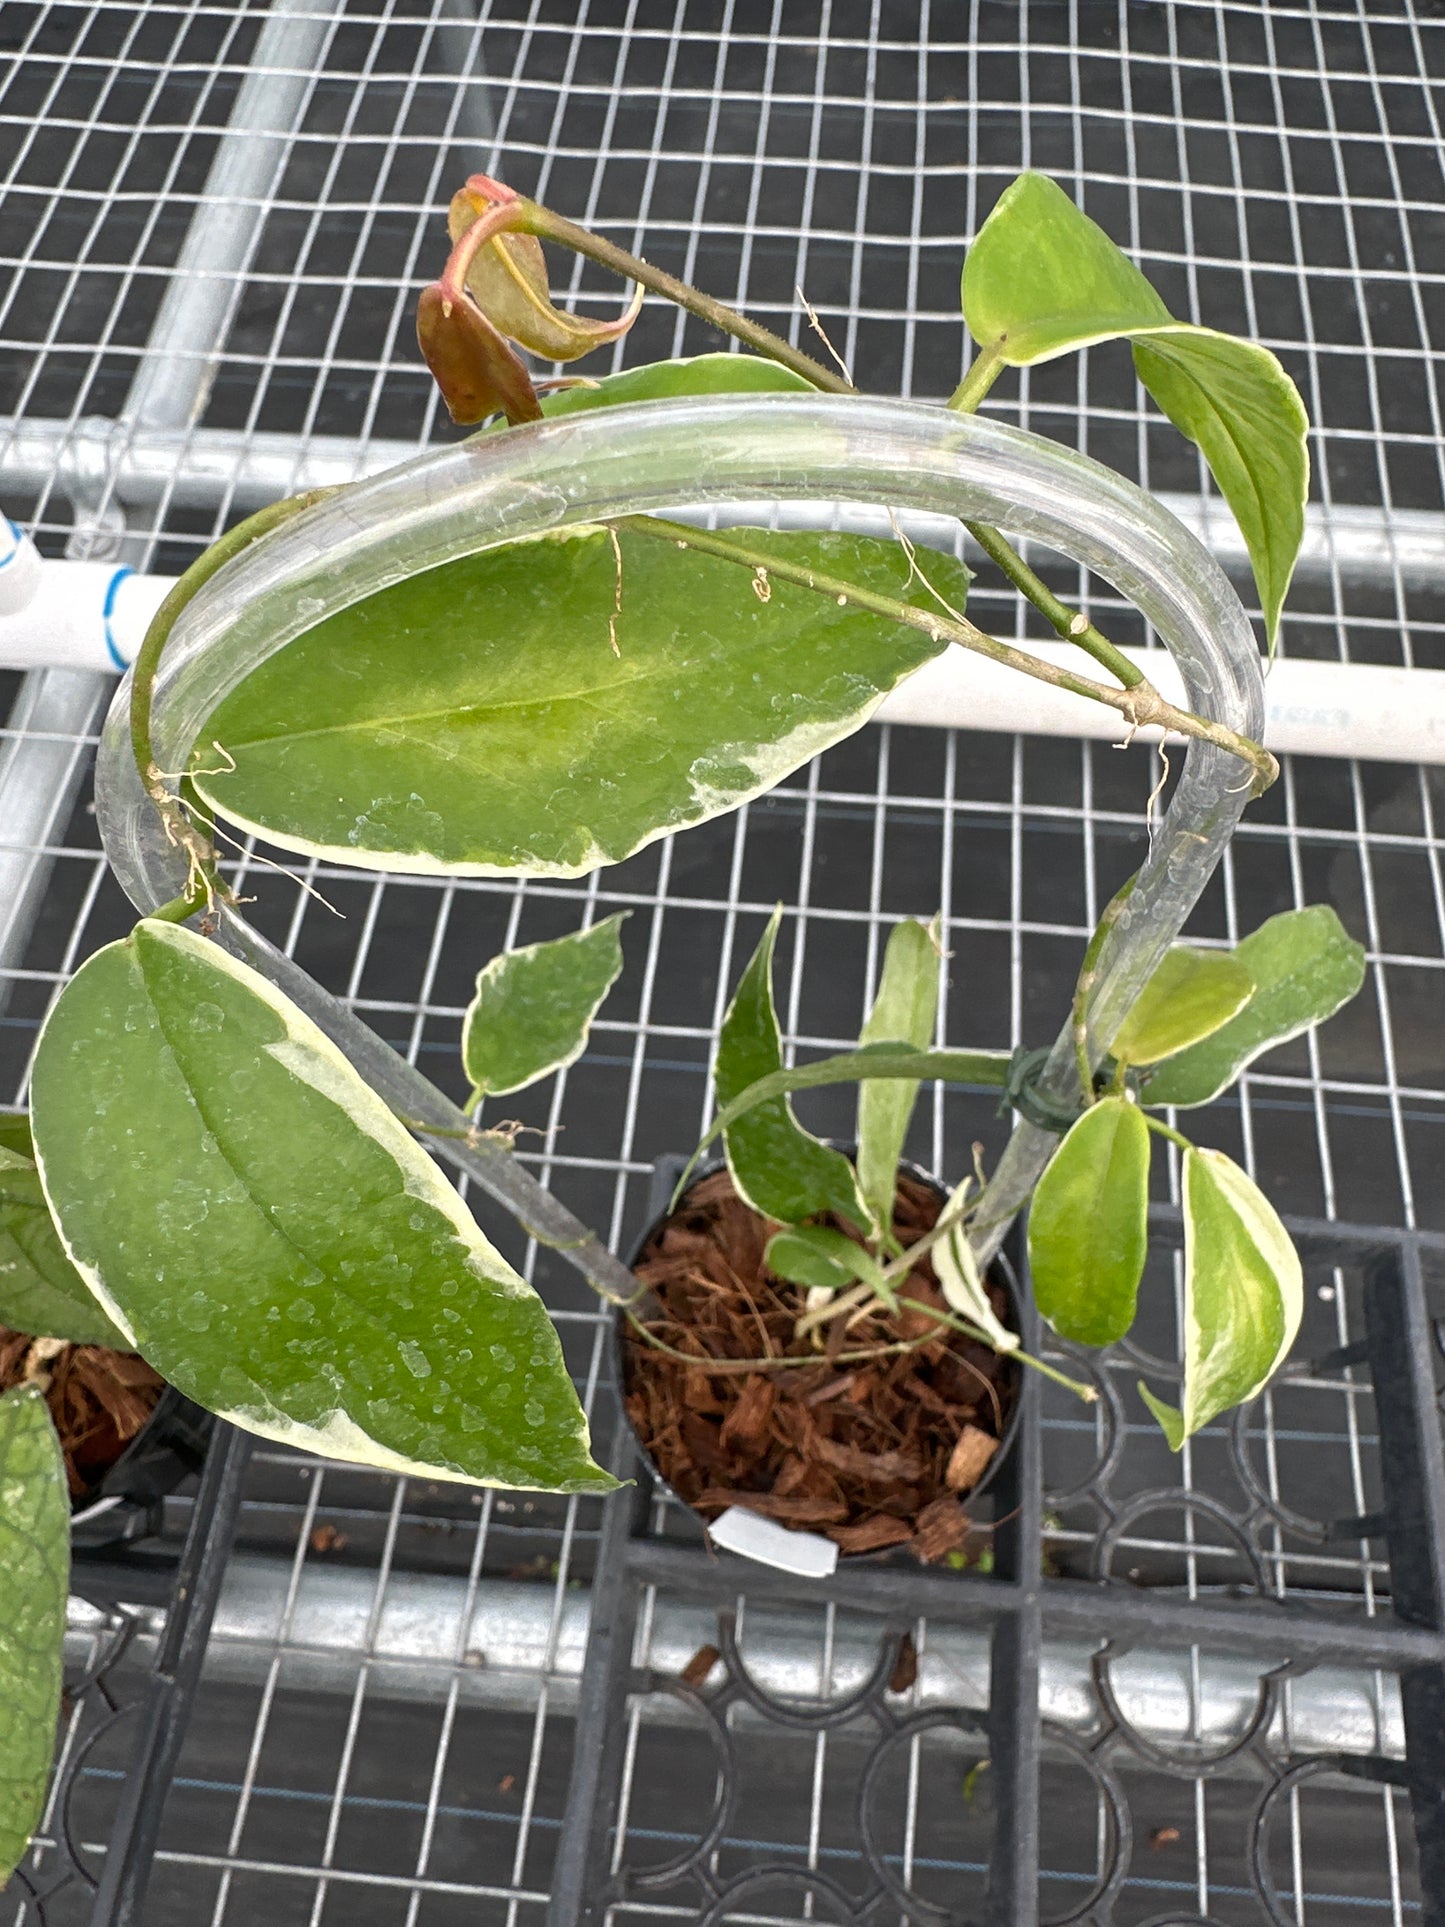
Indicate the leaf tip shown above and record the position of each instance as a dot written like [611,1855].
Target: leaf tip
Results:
[1171,1419]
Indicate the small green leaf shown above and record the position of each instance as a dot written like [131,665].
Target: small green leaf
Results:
[1171,1419]
[1305,965]
[1042,279]
[274,1242]
[1243,1290]
[1088,1224]
[669,380]
[903,1012]
[534,1007]
[1192,994]
[474,720]
[818,1256]
[778,1167]
[34,1581]
[956,1269]
[1235,402]
[41,1292]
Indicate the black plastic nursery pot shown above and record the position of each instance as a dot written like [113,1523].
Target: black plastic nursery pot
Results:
[123,1476]
[126,1503]
[830,1459]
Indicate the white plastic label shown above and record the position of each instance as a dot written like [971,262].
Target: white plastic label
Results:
[751,1536]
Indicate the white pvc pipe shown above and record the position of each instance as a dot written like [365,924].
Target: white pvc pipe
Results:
[1311,708]
[80,615]
[20,568]
[93,615]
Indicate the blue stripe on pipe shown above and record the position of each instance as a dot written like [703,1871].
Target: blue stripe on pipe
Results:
[107,611]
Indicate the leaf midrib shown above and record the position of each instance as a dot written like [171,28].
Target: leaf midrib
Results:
[648,672]
[411,718]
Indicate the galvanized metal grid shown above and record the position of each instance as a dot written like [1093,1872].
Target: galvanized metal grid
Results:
[1276,169]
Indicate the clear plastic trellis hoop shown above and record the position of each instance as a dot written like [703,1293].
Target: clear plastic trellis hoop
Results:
[647,457]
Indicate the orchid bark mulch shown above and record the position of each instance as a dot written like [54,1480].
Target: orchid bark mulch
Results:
[873,1453]
[98,1399]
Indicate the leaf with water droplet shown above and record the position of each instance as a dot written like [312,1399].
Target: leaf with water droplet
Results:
[473,719]
[312,1192]
[41,1292]
[34,1580]
[903,1013]
[534,1007]
[783,1171]
[1089,1224]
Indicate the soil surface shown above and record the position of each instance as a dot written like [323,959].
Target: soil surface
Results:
[873,1453]
[99,1400]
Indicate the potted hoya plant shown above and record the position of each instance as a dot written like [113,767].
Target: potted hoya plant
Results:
[501,659]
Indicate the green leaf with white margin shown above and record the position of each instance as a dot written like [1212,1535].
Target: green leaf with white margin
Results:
[819,1257]
[779,1168]
[473,719]
[904,1012]
[1234,401]
[41,1292]
[1042,279]
[1305,965]
[534,1007]
[1089,1224]
[266,1233]
[1243,1294]
[672,380]
[34,1581]
[956,1269]
[1191,994]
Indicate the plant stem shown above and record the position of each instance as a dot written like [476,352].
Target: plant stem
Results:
[849,1300]
[987,366]
[920,1248]
[982,372]
[180,908]
[1168,1130]
[1072,626]
[1141,706]
[859,1294]
[899,1267]
[723,1366]
[1088,971]
[1075,1385]
[179,828]
[529,217]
